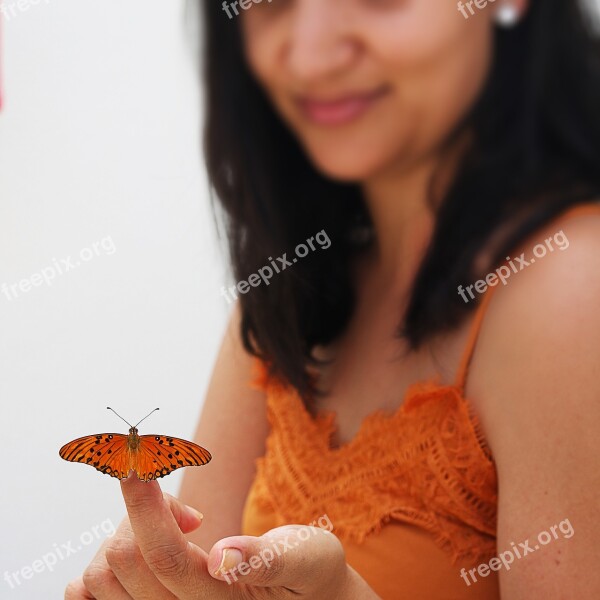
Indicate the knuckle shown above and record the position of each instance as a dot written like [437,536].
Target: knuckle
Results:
[96,578]
[271,571]
[324,539]
[168,560]
[263,563]
[331,541]
[250,592]
[71,591]
[144,504]
[139,505]
[122,551]
[331,546]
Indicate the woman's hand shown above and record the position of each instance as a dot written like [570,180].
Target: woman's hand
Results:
[149,558]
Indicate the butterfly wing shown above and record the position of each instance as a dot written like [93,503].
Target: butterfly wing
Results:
[160,455]
[106,452]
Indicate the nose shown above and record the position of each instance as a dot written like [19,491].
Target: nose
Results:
[321,43]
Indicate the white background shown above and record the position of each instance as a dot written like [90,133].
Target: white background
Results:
[99,137]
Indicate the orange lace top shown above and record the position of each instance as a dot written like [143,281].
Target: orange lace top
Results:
[412,497]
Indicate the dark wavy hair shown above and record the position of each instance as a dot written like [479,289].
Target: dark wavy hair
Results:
[535,151]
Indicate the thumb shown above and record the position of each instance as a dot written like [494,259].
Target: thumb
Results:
[281,557]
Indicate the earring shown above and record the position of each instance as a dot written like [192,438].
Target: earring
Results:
[507,16]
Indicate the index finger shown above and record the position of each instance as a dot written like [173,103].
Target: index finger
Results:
[178,564]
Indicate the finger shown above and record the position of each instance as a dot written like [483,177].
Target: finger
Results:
[128,565]
[122,556]
[77,591]
[180,566]
[102,584]
[281,557]
[188,518]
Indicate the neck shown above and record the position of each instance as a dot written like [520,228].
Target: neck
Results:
[401,207]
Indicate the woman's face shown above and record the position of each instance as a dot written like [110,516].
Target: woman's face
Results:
[369,85]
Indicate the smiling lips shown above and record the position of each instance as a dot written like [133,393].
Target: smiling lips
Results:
[341,111]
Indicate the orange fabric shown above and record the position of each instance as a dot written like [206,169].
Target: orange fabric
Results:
[413,497]
[423,466]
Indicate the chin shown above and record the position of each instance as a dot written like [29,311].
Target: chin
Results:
[350,163]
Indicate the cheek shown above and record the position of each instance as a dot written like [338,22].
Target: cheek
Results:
[423,28]
[437,68]
[263,40]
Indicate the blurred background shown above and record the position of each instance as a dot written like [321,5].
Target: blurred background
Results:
[101,165]
[110,270]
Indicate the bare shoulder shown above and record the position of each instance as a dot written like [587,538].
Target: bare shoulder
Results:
[542,327]
[535,381]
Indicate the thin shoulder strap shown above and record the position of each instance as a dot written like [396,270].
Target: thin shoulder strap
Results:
[463,369]
[465,361]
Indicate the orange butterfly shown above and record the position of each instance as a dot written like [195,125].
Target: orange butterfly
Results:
[150,456]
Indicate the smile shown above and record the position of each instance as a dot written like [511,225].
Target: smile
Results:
[339,111]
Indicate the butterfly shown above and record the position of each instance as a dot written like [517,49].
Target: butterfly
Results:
[150,456]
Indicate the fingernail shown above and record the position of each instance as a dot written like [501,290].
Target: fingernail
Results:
[195,513]
[231,558]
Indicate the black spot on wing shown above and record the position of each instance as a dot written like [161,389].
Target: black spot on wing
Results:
[87,450]
[160,464]
[114,460]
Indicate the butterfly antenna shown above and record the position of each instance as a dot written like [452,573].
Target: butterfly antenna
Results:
[118,415]
[153,411]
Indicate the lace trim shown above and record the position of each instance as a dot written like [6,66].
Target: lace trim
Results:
[426,465]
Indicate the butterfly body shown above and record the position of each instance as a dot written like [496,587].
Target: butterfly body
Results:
[133,439]
[150,456]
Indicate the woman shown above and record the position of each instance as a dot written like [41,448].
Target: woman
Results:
[424,385]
